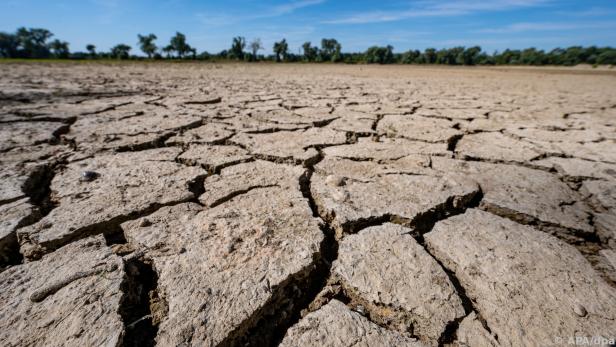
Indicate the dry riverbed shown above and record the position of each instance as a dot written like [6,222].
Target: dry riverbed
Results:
[306,205]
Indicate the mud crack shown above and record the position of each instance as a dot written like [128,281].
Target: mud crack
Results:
[142,307]
[292,298]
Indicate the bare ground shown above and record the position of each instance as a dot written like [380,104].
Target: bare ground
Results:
[306,205]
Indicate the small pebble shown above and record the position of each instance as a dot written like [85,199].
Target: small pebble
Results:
[88,176]
[335,181]
[341,196]
[145,222]
[579,310]
[231,245]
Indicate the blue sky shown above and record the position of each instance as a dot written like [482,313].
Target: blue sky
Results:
[210,25]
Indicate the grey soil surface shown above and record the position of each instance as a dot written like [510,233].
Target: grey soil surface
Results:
[306,205]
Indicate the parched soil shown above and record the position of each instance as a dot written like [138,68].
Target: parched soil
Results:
[306,205]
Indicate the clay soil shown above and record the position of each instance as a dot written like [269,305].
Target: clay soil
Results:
[183,204]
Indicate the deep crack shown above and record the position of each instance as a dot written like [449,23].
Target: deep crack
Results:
[268,325]
[38,187]
[142,307]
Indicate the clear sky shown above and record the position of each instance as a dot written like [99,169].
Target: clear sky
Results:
[417,24]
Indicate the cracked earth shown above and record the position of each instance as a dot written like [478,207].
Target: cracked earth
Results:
[302,205]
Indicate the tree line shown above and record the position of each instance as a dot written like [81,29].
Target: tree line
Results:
[37,43]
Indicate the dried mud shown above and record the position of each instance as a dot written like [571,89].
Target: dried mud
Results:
[306,205]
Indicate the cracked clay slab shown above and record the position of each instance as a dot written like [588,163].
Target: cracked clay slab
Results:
[524,194]
[350,193]
[335,325]
[290,146]
[68,298]
[418,128]
[244,177]
[225,270]
[124,184]
[529,286]
[398,281]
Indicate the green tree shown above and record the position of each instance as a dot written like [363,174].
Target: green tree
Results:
[592,54]
[120,51]
[554,57]
[33,42]
[8,45]
[379,55]
[485,59]
[255,47]
[455,56]
[59,49]
[337,56]
[237,48]
[223,54]
[146,43]
[281,50]
[178,45]
[443,56]
[411,57]
[204,56]
[514,56]
[330,50]
[430,56]
[92,50]
[532,56]
[310,52]
[607,57]
[469,56]
[574,55]
[167,50]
